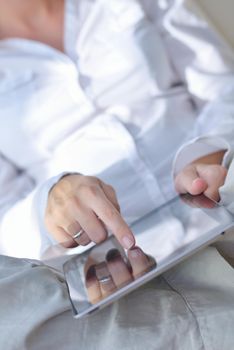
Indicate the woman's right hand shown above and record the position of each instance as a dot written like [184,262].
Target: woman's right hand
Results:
[80,209]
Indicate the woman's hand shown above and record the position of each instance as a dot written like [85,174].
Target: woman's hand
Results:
[80,209]
[205,175]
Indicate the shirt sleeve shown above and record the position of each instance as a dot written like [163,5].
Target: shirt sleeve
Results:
[205,63]
[227,190]
[22,208]
[214,132]
[200,55]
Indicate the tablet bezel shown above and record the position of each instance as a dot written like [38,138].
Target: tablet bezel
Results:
[170,261]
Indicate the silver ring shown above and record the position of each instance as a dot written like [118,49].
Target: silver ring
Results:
[105,279]
[78,234]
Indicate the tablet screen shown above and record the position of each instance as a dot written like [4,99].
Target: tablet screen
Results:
[163,238]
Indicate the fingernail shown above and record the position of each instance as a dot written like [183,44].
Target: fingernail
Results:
[127,242]
[135,252]
[112,255]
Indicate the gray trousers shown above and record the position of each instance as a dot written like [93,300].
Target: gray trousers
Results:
[189,307]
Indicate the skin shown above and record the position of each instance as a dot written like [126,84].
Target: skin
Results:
[119,271]
[82,202]
[205,175]
[85,202]
[41,20]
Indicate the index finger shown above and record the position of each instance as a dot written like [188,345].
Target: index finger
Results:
[110,216]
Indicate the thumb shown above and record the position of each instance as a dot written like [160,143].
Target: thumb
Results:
[188,181]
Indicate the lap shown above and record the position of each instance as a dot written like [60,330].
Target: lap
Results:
[189,307]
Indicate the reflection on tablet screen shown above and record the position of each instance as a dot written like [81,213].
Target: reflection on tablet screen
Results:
[169,232]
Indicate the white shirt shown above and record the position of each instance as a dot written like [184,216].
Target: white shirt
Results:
[126,95]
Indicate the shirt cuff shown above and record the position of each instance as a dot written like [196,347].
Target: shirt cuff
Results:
[227,190]
[200,147]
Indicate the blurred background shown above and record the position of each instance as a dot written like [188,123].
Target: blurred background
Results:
[219,14]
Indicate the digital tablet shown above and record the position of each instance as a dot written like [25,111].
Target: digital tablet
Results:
[165,237]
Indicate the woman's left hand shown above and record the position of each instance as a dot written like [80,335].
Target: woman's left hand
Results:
[205,175]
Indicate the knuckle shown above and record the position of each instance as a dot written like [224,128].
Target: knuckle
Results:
[65,188]
[100,237]
[64,185]
[82,189]
[111,189]
[188,168]
[90,190]
[63,205]
[110,214]
[57,196]
[213,169]
[217,171]
[93,180]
